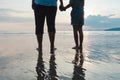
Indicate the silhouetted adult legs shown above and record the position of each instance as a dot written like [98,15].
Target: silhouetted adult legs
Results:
[52,40]
[39,39]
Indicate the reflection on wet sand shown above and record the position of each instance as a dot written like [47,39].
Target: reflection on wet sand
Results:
[40,69]
[52,70]
[79,71]
[42,73]
[51,74]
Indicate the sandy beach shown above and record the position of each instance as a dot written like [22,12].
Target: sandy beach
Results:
[19,57]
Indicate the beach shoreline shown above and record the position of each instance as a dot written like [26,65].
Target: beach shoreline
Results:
[18,56]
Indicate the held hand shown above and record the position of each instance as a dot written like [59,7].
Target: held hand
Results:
[62,8]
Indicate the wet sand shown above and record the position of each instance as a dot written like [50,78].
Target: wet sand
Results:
[19,60]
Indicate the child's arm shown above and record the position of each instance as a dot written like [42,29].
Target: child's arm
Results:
[68,6]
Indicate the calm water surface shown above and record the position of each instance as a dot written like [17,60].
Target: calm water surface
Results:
[18,60]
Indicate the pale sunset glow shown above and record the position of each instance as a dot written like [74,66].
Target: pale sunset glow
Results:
[95,10]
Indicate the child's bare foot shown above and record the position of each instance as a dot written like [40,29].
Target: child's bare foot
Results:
[75,47]
[53,50]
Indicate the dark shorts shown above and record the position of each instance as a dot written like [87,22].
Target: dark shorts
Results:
[77,17]
[42,12]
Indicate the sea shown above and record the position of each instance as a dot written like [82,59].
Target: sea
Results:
[101,50]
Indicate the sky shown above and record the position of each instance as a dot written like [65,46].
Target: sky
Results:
[99,14]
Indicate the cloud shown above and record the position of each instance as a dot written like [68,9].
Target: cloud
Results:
[15,19]
[8,11]
[92,21]
[102,21]
[10,15]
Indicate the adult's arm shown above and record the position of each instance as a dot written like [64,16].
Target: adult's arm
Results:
[33,4]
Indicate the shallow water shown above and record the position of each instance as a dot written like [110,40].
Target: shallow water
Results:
[18,56]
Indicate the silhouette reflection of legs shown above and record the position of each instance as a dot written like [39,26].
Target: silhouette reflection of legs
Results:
[78,73]
[40,68]
[52,70]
